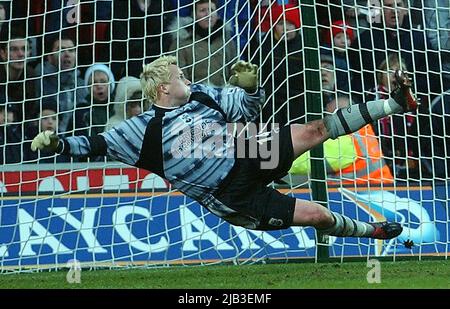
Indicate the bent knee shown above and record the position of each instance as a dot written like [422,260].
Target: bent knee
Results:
[311,131]
[322,218]
[311,214]
[306,136]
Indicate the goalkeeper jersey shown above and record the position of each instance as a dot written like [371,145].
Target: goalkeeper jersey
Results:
[189,145]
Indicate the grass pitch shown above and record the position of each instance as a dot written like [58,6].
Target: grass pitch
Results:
[401,274]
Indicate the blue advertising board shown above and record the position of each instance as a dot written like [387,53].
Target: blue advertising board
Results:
[139,228]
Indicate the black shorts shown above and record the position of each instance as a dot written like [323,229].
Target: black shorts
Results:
[245,189]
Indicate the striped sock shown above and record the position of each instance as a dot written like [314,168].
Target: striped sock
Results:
[350,119]
[344,226]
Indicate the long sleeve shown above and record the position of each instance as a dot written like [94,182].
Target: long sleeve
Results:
[190,146]
[83,146]
[235,102]
[123,142]
[77,146]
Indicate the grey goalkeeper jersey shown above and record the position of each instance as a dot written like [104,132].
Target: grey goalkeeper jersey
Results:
[189,145]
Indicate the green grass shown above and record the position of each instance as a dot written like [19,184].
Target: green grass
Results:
[404,274]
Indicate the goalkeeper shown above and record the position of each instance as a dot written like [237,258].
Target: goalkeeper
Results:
[231,187]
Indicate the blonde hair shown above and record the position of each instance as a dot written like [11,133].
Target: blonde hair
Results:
[155,74]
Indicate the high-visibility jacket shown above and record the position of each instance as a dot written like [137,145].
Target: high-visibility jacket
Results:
[350,159]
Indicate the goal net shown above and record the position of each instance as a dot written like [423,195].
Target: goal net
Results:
[73,66]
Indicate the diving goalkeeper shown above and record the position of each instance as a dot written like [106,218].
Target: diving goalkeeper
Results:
[173,140]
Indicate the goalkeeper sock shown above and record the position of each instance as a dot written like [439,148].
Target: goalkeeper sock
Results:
[344,226]
[350,119]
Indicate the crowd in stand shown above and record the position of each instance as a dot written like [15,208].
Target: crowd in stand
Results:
[74,68]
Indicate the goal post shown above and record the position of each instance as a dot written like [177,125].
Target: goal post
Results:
[314,108]
[103,213]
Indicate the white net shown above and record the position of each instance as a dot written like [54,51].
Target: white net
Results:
[74,66]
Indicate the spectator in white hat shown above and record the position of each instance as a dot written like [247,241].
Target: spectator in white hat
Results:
[92,117]
[127,101]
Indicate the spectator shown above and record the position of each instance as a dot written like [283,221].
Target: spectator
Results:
[61,14]
[140,34]
[392,35]
[328,74]
[61,84]
[440,113]
[265,8]
[16,83]
[281,60]
[134,105]
[6,117]
[336,45]
[10,138]
[350,159]
[328,79]
[204,46]
[91,118]
[48,118]
[237,13]
[88,21]
[184,7]
[128,95]
[48,121]
[360,14]
[416,12]
[96,25]
[398,133]
[437,23]
[4,13]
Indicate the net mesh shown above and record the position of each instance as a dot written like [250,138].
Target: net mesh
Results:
[74,66]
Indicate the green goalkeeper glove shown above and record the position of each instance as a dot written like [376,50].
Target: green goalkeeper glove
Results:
[47,141]
[245,76]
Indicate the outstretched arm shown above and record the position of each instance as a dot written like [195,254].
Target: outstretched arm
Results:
[243,101]
[122,143]
[245,76]
[76,146]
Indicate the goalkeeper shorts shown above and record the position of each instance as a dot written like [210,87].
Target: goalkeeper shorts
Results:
[245,189]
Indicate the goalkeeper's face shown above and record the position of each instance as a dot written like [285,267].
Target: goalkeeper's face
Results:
[178,89]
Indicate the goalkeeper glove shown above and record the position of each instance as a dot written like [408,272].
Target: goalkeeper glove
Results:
[47,141]
[245,76]
[402,94]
